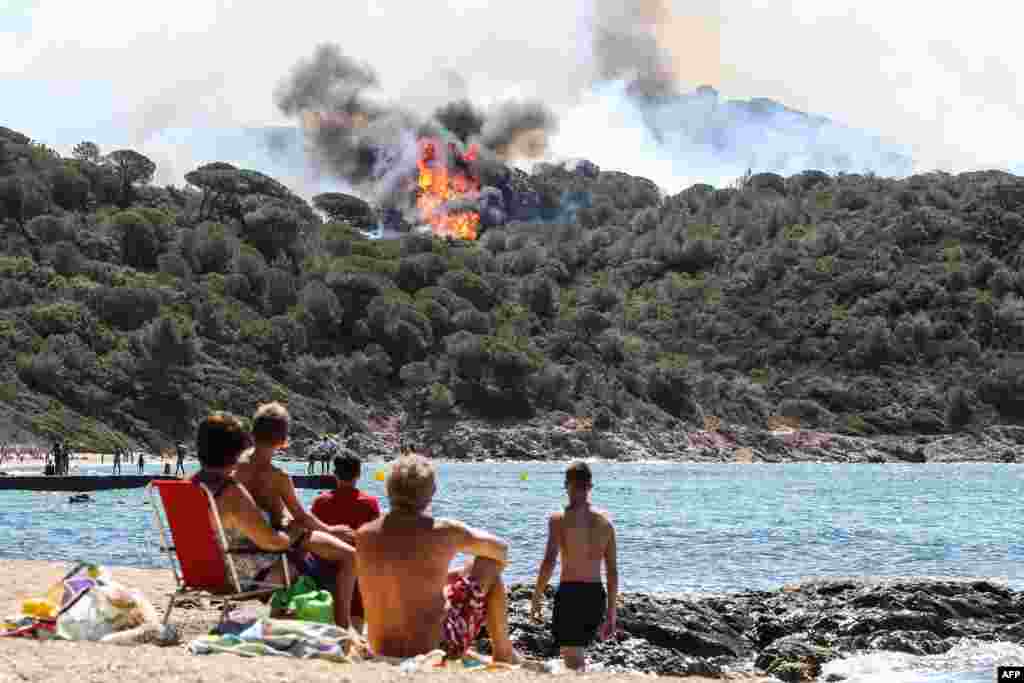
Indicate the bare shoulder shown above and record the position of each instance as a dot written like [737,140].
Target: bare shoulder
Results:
[445,524]
[604,519]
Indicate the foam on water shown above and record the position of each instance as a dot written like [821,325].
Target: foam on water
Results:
[969,661]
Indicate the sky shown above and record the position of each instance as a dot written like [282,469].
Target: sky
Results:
[174,79]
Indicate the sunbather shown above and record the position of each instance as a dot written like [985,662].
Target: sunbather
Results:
[413,602]
[219,444]
[274,492]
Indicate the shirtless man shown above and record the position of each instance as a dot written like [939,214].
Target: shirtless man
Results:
[585,538]
[274,492]
[413,603]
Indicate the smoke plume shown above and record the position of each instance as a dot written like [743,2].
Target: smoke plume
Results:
[368,142]
[639,53]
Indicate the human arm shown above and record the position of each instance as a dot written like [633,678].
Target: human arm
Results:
[480,543]
[305,519]
[342,531]
[547,566]
[611,568]
[247,517]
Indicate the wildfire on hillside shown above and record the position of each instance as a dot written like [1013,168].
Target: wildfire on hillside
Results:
[444,180]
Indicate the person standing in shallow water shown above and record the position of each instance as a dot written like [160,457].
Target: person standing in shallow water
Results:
[117,460]
[585,538]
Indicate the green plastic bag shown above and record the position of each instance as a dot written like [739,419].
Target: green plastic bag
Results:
[317,606]
[282,597]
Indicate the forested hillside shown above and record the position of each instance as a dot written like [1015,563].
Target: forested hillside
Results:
[857,304]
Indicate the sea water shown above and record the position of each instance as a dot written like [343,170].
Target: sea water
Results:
[680,528]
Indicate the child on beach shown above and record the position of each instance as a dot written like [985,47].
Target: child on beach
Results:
[274,492]
[585,538]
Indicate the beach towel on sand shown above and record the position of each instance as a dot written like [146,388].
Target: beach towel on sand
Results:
[310,640]
[286,638]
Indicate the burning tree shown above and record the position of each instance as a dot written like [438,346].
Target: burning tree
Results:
[446,183]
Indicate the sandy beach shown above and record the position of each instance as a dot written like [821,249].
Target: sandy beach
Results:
[30,661]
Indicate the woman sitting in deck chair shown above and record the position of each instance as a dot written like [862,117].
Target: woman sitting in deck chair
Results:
[219,443]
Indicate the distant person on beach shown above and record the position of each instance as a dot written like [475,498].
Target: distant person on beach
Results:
[585,538]
[180,448]
[142,462]
[117,461]
[413,602]
[220,441]
[274,492]
[311,468]
[348,506]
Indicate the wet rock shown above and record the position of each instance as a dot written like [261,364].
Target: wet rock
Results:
[788,633]
[794,658]
[911,642]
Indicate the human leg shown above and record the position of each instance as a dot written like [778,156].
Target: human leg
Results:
[487,573]
[574,658]
[579,611]
[343,556]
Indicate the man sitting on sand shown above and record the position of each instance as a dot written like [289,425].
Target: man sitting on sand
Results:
[274,491]
[347,506]
[585,538]
[413,602]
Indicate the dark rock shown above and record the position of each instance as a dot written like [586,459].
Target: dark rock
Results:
[794,658]
[911,642]
[791,632]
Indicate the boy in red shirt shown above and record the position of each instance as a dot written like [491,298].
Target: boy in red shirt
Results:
[349,506]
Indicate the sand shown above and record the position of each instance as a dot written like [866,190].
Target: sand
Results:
[30,661]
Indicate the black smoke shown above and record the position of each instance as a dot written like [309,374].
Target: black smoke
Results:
[371,144]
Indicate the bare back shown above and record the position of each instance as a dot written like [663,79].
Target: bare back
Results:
[583,535]
[265,485]
[402,566]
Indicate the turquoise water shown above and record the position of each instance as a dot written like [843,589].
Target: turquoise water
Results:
[680,527]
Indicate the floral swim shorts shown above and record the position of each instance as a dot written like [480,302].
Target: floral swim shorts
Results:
[465,609]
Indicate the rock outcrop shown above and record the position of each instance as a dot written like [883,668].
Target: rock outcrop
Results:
[791,632]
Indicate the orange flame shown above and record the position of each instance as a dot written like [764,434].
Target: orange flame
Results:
[438,185]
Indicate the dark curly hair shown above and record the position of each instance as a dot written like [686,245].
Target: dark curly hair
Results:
[220,440]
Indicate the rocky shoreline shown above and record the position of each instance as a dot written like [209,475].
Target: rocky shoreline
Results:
[476,442]
[791,632]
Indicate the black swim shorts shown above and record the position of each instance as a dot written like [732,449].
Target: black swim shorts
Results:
[580,610]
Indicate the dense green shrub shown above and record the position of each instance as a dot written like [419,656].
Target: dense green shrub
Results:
[127,308]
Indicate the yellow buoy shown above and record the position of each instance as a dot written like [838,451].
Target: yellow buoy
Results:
[380,476]
[524,476]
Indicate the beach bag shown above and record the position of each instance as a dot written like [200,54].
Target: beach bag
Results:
[96,608]
[317,606]
[282,597]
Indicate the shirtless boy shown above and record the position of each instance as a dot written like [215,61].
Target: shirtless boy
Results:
[413,602]
[584,537]
[274,492]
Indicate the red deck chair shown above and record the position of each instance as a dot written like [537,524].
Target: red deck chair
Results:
[199,556]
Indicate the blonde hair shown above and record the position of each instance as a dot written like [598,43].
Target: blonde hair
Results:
[410,484]
[270,424]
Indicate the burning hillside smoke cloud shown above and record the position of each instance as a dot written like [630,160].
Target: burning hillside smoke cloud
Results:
[372,144]
[644,55]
